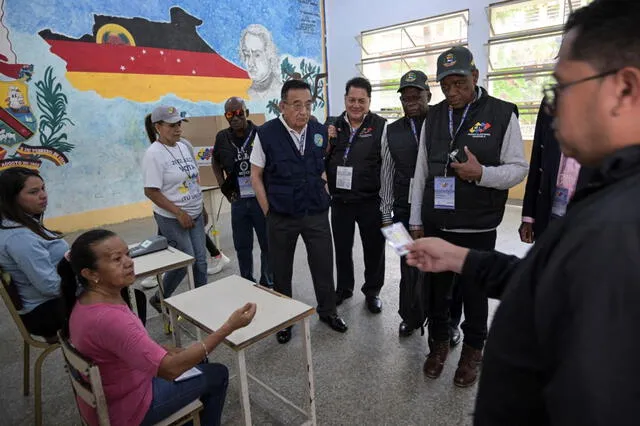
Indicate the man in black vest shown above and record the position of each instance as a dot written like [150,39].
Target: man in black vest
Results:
[288,177]
[230,163]
[353,171]
[470,154]
[399,152]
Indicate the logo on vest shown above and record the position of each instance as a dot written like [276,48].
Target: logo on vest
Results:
[367,132]
[318,140]
[479,130]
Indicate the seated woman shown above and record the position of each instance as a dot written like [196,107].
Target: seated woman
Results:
[29,252]
[137,373]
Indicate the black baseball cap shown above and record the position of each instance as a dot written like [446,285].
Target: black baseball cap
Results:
[455,61]
[414,78]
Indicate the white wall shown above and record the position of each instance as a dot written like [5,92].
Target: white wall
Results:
[347,18]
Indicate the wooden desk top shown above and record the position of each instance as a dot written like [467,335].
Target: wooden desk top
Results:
[160,261]
[209,307]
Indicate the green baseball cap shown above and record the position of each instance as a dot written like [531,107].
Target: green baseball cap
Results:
[455,61]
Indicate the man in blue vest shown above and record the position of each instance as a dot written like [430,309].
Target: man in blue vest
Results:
[230,163]
[399,153]
[470,154]
[288,177]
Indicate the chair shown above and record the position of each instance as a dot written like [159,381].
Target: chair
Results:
[12,301]
[87,385]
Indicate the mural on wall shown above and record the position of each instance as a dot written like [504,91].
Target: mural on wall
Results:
[77,79]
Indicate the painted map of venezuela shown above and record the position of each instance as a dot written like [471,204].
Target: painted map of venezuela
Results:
[141,60]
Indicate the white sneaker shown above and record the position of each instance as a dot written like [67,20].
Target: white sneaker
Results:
[217,263]
[149,282]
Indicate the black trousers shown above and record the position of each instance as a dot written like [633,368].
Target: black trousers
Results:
[344,217]
[408,274]
[476,307]
[282,233]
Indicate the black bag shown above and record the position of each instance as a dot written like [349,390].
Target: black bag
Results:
[415,297]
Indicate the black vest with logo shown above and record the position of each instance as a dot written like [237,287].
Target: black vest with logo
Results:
[483,131]
[294,182]
[364,156]
[404,152]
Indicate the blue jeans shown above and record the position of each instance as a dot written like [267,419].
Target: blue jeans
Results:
[170,396]
[247,216]
[190,241]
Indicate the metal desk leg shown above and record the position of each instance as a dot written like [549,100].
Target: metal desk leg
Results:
[244,388]
[192,285]
[175,328]
[306,336]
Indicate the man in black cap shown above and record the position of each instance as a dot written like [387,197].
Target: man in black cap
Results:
[469,156]
[399,152]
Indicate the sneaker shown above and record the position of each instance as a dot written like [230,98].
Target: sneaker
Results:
[149,282]
[217,263]
[154,301]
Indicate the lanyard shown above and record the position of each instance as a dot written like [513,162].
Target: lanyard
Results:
[303,135]
[354,132]
[413,130]
[243,148]
[454,135]
[184,161]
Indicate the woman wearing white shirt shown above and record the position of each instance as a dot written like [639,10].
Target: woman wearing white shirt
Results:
[171,181]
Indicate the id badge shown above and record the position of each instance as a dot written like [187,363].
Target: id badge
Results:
[246,190]
[410,190]
[444,193]
[397,237]
[344,177]
[560,202]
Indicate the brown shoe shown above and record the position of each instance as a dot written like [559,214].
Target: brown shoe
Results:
[435,360]
[467,372]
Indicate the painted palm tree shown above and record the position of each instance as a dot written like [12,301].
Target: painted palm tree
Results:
[52,103]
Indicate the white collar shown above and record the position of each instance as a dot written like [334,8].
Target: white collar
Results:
[286,126]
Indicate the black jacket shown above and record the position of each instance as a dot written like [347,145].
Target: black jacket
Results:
[562,349]
[543,175]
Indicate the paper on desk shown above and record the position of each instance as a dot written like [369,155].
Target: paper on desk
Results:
[190,373]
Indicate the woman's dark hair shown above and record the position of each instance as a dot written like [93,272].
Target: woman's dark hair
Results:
[358,83]
[82,256]
[12,181]
[150,128]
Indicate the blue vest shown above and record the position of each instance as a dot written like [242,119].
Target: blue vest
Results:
[294,182]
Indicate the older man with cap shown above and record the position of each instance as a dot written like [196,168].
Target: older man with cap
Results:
[471,152]
[399,152]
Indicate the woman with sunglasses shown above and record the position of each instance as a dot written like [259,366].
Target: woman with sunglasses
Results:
[171,182]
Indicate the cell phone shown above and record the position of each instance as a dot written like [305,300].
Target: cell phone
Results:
[458,156]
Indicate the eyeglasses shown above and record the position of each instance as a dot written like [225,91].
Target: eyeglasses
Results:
[552,91]
[299,106]
[230,114]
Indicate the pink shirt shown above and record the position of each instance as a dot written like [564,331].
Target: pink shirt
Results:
[114,338]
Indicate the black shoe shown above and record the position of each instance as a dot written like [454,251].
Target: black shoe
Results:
[404,330]
[335,322]
[374,304]
[284,336]
[341,297]
[455,339]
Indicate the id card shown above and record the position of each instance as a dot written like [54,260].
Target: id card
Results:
[398,238]
[410,190]
[344,177]
[246,190]
[560,202]
[444,193]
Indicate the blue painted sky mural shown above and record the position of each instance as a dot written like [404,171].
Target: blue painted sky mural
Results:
[77,79]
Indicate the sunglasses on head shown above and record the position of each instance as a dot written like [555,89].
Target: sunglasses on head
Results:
[230,114]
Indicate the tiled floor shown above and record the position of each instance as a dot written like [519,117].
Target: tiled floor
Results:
[367,376]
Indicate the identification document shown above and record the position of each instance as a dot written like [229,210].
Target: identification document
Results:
[398,238]
[444,193]
[246,190]
[560,202]
[344,177]
[189,374]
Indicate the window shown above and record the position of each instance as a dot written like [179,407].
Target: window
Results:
[388,53]
[524,42]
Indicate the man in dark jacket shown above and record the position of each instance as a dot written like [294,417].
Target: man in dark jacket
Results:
[553,180]
[562,347]
[353,174]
